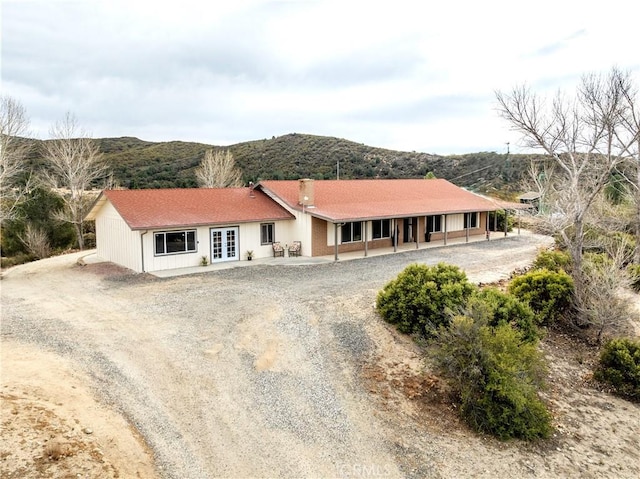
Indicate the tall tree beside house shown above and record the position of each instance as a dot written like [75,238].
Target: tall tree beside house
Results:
[632,124]
[587,135]
[74,164]
[218,170]
[14,124]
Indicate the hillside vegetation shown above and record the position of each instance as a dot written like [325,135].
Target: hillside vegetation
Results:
[143,164]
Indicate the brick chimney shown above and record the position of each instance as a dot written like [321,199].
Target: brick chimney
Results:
[306,192]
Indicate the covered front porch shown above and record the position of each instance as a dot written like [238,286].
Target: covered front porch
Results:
[434,243]
[306,260]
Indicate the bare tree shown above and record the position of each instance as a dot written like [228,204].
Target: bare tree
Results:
[632,125]
[218,170]
[14,125]
[601,304]
[586,138]
[36,241]
[74,163]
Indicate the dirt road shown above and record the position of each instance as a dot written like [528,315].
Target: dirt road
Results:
[275,371]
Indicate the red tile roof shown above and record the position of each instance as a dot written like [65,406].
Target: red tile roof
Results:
[169,208]
[352,200]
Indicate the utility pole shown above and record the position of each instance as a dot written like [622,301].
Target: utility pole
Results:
[338,170]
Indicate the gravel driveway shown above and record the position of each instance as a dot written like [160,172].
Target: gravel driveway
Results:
[245,372]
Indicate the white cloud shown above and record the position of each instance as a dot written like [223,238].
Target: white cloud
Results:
[403,74]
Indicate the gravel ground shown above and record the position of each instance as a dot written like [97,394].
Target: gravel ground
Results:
[245,372]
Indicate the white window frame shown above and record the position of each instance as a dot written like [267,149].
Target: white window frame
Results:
[351,235]
[382,235]
[266,227]
[472,221]
[186,234]
[432,219]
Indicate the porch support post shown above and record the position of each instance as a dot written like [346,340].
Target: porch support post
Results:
[519,219]
[495,221]
[366,237]
[417,231]
[395,235]
[445,230]
[487,227]
[466,230]
[506,221]
[335,241]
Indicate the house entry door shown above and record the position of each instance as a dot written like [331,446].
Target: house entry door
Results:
[224,244]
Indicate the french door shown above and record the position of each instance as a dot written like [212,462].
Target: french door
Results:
[224,244]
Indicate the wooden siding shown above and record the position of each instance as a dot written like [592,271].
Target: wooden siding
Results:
[115,241]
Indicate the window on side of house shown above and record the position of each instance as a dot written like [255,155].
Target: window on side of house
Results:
[471,220]
[351,232]
[381,229]
[175,242]
[267,233]
[435,223]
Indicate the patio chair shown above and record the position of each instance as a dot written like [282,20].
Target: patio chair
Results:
[294,249]
[278,250]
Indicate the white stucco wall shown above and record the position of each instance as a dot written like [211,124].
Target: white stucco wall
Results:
[248,239]
[455,222]
[300,230]
[284,232]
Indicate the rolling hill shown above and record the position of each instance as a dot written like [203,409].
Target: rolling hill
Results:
[143,164]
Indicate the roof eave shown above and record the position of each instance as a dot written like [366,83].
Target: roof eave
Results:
[96,206]
[198,225]
[403,215]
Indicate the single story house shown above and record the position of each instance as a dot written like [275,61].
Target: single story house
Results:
[150,230]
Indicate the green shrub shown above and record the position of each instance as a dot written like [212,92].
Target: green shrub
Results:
[38,209]
[497,219]
[506,309]
[89,240]
[620,367]
[548,293]
[15,260]
[496,375]
[634,273]
[553,260]
[420,298]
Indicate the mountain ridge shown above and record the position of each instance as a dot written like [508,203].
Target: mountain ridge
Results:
[139,163]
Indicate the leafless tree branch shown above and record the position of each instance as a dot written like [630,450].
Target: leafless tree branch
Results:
[75,163]
[218,170]
[587,137]
[14,125]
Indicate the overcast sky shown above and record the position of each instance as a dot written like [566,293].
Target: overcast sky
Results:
[396,74]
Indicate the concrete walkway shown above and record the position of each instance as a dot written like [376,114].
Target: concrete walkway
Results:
[305,260]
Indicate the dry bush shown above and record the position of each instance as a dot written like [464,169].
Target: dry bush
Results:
[56,449]
[601,306]
[36,241]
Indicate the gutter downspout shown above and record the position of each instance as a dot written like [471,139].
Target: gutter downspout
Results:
[142,248]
